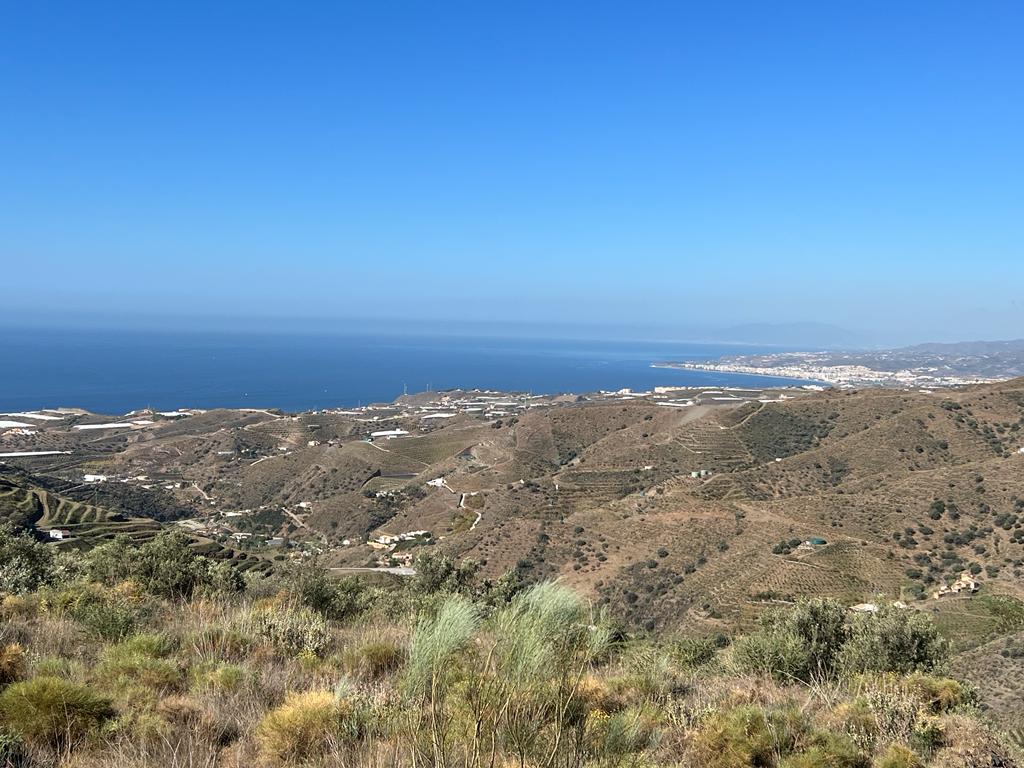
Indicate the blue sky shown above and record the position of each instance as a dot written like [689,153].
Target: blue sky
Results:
[664,165]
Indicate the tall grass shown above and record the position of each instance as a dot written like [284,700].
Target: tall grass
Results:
[538,681]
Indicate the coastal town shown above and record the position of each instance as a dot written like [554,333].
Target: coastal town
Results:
[905,369]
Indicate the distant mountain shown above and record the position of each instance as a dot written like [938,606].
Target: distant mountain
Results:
[1014,347]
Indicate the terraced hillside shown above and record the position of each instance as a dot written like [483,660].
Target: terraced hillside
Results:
[667,513]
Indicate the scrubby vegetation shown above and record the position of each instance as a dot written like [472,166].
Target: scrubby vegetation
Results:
[148,655]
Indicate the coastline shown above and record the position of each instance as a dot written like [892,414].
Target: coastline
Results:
[843,376]
[742,371]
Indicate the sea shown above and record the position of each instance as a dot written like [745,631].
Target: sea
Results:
[114,372]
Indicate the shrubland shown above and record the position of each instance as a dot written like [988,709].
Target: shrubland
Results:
[133,655]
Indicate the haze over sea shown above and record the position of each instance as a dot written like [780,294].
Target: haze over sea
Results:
[118,371]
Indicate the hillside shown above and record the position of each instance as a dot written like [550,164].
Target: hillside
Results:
[142,654]
[686,508]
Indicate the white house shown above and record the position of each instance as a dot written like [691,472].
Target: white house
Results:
[59,534]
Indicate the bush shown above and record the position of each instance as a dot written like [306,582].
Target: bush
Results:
[106,615]
[436,642]
[140,663]
[897,756]
[167,566]
[616,738]
[437,572]
[828,749]
[374,659]
[803,642]
[693,652]
[220,677]
[111,562]
[12,751]
[339,599]
[291,630]
[12,664]
[54,713]
[941,694]
[25,564]
[309,725]
[893,640]
[746,736]
[813,641]
[781,656]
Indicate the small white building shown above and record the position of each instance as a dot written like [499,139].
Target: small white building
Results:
[59,534]
[95,478]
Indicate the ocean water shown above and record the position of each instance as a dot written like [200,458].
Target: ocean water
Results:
[115,372]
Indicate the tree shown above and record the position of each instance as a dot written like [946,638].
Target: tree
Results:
[894,640]
[111,562]
[803,642]
[437,572]
[25,564]
[338,599]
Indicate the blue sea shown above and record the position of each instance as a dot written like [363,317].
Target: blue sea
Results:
[118,371]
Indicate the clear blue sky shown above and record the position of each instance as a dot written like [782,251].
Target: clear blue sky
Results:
[657,164]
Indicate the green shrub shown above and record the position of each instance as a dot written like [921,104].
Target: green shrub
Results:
[803,642]
[813,642]
[436,642]
[227,678]
[55,666]
[780,655]
[140,663]
[437,572]
[54,713]
[25,564]
[309,725]
[650,675]
[12,751]
[747,736]
[291,630]
[112,561]
[893,640]
[617,738]
[941,694]
[166,566]
[106,616]
[693,653]
[898,756]
[828,749]
[338,599]
[226,579]
[218,642]
[374,659]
